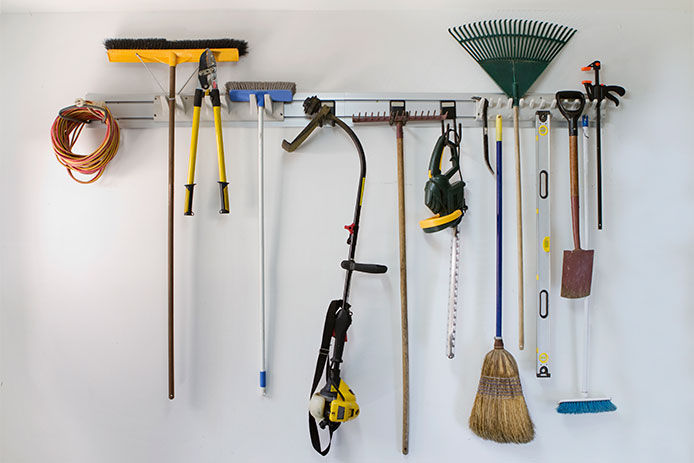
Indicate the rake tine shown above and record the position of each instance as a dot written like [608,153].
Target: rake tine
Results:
[526,40]
[548,50]
[505,32]
[533,42]
[474,48]
[495,45]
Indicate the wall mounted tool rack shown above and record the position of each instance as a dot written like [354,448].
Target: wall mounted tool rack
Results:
[151,110]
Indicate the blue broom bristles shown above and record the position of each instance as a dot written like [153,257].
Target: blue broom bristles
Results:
[586,406]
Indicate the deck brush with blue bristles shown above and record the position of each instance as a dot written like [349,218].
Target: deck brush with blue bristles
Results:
[256,93]
[278,91]
[585,405]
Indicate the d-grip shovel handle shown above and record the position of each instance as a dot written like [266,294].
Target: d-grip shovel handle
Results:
[572,116]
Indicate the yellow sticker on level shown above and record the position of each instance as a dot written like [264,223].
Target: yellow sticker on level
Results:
[543,357]
[545,244]
[542,130]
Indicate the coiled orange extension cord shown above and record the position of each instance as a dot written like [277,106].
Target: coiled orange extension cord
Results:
[66,130]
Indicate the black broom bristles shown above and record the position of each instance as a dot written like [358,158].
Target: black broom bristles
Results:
[163,44]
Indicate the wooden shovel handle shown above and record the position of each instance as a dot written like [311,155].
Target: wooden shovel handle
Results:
[573,174]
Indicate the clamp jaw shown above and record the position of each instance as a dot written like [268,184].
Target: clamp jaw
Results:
[600,91]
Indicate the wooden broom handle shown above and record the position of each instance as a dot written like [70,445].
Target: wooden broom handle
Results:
[519,236]
[403,293]
[573,174]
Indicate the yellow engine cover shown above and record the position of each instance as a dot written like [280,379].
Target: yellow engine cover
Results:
[344,407]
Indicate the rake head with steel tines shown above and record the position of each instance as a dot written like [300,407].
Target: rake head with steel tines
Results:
[399,117]
[513,52]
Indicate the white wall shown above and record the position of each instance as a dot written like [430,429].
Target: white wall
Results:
[83,268]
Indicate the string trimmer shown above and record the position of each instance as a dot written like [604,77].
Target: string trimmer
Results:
[446,199]
[514,53]
[335,403]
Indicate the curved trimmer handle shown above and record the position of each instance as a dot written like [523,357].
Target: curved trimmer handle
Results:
[364,268]
[571,115]
[317,121]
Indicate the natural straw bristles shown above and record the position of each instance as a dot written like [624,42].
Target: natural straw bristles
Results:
[499,412]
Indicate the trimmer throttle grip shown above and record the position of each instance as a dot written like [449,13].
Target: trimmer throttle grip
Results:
[365,268]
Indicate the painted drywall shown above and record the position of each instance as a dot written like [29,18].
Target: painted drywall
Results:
[83,268]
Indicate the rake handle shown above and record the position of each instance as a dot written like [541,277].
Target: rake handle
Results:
[403,292]
[519,233]
[573,176]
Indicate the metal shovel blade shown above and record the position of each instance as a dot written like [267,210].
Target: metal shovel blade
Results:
[577,273]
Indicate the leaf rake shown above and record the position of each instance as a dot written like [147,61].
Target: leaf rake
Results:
[514,52]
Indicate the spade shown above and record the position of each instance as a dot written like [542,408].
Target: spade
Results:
[577,268]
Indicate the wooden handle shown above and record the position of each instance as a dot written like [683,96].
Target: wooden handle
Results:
[403,294]
[519,235]
[170,237]
[573,175]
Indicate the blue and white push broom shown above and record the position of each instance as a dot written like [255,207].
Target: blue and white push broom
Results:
[260,95]
[586,403]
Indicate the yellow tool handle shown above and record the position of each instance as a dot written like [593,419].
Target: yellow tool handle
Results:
[223,184]
[498,127]
[193,152]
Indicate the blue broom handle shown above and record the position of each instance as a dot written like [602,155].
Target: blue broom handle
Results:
[498,226]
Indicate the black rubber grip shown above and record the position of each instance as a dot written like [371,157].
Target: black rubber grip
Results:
[214,96]
[224,197]
[365,268]
[197,99]
[189,198]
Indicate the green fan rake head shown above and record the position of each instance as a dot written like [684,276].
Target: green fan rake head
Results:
[514,52]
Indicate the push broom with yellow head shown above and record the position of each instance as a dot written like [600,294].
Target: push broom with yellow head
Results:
[172,52]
